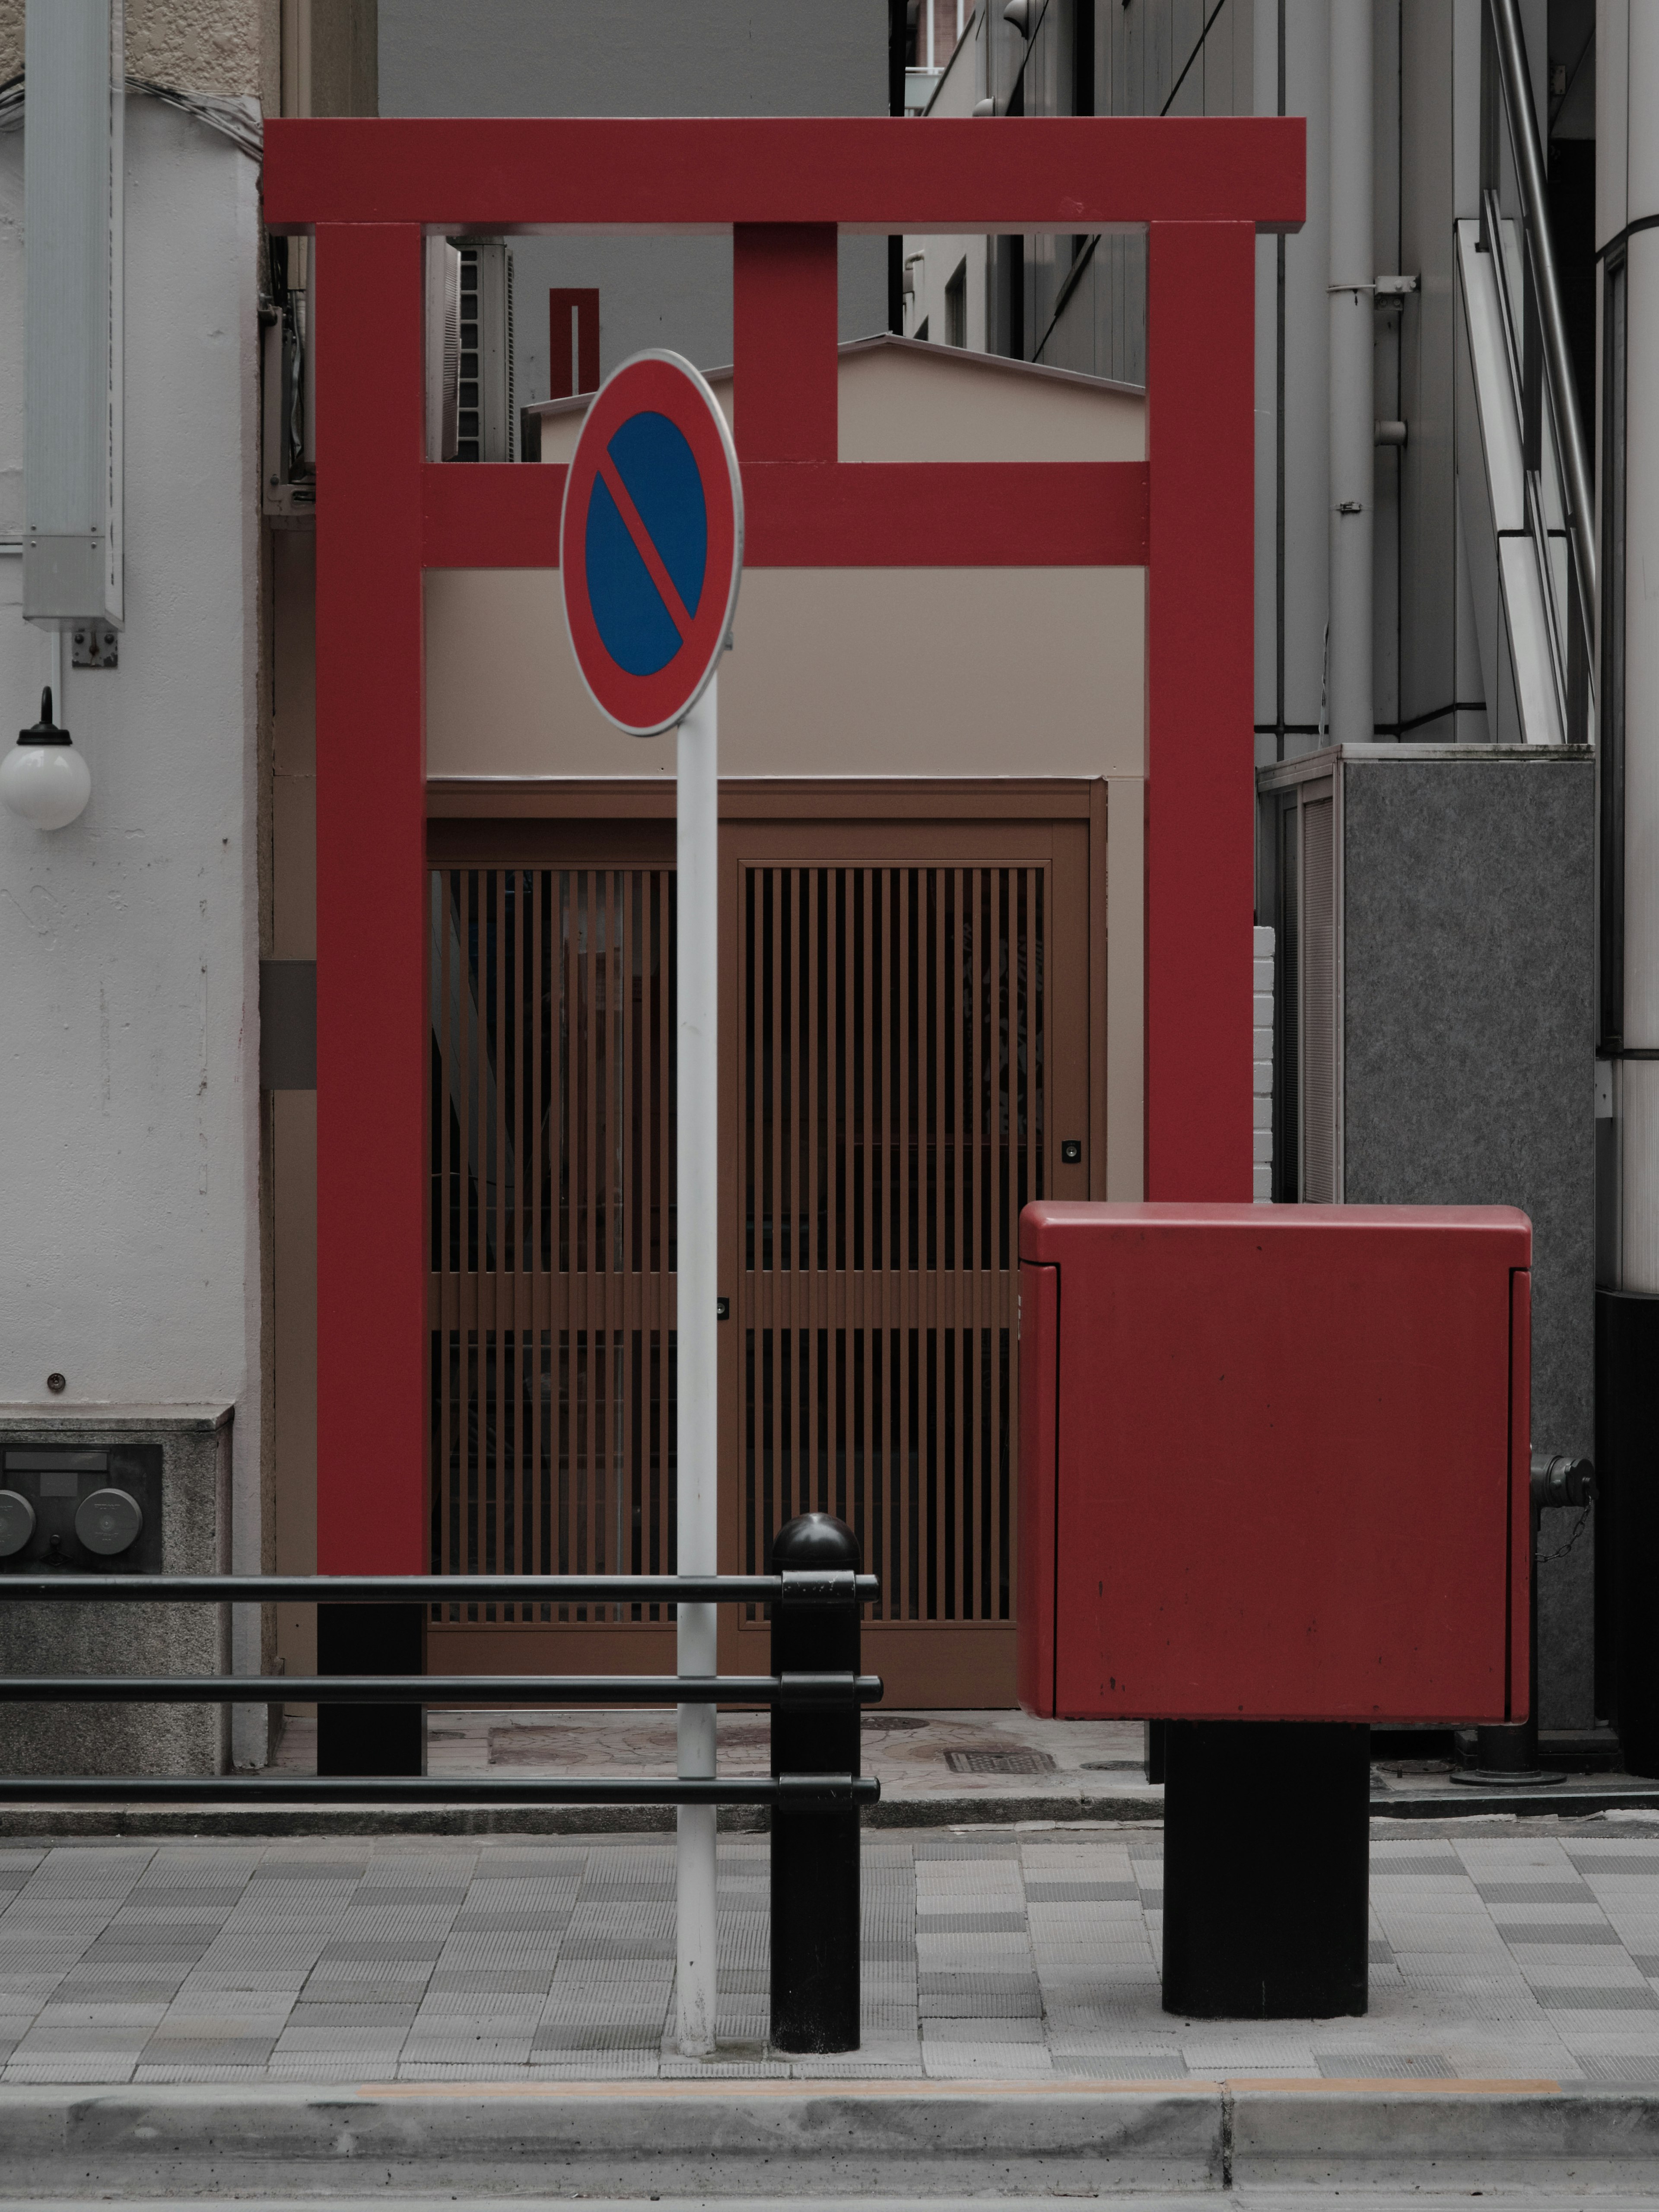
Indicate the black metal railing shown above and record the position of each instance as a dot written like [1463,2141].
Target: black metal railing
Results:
[816,1693]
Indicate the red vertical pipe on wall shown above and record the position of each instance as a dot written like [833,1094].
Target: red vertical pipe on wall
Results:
[372,1015]
[783,341]
[1201,783]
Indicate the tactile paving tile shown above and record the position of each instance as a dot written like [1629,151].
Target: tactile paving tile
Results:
[1383,2065]
[1049,1892]
[1535,1892]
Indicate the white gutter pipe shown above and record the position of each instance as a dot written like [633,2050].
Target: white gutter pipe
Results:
[1350,717]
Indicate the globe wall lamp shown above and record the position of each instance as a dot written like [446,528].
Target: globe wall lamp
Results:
[42,779]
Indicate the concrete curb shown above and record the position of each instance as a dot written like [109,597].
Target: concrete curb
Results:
[852,2138]
[1140,1806]
[33,1820]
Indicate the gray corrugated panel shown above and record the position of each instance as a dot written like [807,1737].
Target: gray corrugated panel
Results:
[1386,1863]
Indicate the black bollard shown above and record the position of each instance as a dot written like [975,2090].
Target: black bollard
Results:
[371,1639]
[814,1847]
[1266,1838]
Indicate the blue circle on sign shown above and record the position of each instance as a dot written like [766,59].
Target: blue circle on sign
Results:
[646,545]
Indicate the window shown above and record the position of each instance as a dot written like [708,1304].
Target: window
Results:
[956,306]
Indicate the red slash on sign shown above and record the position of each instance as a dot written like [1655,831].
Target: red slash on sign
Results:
[678,613]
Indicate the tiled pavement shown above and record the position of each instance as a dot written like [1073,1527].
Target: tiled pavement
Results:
[1532,1954]
[990,1756]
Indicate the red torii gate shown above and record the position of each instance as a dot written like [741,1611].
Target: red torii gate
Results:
[368,190]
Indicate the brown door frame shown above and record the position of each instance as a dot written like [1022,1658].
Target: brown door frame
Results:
[628,822]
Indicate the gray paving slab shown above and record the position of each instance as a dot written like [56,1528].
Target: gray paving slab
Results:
[1527,1952]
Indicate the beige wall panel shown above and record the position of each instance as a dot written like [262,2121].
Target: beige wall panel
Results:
[904,404]
[836,671]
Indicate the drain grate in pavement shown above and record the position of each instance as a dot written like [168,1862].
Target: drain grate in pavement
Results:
[999,1762]
[891,1723]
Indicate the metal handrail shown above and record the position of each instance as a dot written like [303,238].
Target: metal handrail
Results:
[443,1590]
[1497,223]
[788,1690]
[787,1789]
[1560,391]
[815,1691]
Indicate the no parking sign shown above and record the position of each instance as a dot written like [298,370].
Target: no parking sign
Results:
[651,543]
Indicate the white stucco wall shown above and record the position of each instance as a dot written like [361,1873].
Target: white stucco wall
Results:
[129,1043]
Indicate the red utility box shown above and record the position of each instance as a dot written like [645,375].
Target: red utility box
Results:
[1274,1462]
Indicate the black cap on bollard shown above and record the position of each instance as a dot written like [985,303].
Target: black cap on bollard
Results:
[814,1539]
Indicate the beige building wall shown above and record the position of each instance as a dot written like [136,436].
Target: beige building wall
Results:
[834,672]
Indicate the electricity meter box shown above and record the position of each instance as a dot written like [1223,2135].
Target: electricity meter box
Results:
[85,1509]
[1274,1462]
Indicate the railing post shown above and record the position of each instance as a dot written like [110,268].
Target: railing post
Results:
[371,1639]
[814,1847]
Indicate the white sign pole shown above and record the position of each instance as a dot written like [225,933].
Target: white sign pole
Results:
[696,1232]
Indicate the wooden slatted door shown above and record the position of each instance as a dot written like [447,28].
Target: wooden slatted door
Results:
[909,1052]
[551,1234]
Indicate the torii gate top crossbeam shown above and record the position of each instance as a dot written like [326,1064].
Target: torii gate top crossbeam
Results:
[508,175]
